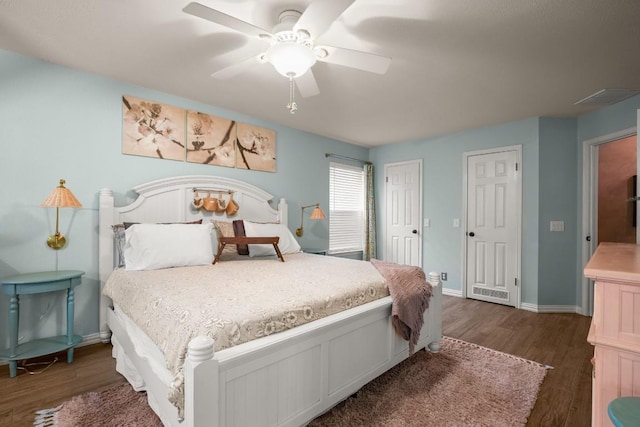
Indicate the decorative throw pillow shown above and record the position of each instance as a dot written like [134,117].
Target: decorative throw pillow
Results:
[225,229]
[195,221]
[156,246]
[119,240]
[287,244]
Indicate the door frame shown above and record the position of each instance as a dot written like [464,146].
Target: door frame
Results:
[465,158]
[420,205]
[590,204]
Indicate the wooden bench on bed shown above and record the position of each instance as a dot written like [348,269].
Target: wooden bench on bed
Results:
[223,241]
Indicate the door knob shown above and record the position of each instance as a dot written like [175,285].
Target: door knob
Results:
[471,234]
[414,231]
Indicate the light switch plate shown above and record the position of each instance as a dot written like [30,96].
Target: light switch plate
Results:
[427,222]
[456,222]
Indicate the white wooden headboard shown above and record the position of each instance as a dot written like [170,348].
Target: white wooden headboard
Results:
[170,200]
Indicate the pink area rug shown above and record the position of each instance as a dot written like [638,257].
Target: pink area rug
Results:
[118,406]
[462,385]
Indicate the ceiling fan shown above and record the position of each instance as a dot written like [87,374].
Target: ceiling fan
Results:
[292,45]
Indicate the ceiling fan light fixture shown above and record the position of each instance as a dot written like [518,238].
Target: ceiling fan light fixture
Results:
[303,35]
[320,52]
[292,49]
[290,58]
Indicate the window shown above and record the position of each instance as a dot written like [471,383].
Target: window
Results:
[346,208]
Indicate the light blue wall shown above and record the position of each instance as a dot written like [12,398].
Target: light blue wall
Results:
[62,123]
[558,202]
[614,118]
[552,190]
[443,167]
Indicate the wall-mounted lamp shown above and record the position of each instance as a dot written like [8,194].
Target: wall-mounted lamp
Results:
[315,214]
[60,197]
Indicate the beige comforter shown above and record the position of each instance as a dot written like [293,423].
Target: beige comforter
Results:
[238,301]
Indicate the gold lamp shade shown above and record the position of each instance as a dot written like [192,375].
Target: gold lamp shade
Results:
[60,197]
[316,213]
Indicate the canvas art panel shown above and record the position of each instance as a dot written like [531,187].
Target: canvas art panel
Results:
[210,139]
[255,148]
[152,129]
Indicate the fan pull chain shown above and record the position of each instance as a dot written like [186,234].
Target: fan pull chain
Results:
[292,106]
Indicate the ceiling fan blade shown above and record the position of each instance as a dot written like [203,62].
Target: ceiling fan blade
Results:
[320,15]
[356,59]
[239,67]
[307,85]
[204,12]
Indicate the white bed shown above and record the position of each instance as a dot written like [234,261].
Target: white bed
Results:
[284,379]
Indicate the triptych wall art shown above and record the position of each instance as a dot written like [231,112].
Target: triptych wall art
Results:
[163,131]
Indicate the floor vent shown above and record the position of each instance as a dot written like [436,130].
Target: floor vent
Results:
[504,295]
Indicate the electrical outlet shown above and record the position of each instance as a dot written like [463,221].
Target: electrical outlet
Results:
[443,276]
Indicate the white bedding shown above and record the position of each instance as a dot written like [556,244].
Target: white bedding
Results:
[237,301]
[145,348]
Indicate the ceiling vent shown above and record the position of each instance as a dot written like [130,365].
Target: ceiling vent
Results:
[608,96]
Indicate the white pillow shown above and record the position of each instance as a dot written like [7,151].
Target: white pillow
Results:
[287,243]
[155,246]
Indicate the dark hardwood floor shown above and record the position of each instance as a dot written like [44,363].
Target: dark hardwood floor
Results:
[558,340]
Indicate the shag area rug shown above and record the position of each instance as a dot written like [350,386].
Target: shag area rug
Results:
[462,385]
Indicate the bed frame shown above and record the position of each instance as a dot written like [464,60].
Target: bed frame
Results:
[285,379]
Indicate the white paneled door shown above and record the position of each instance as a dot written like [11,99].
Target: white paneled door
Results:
[492,228]
[403,199]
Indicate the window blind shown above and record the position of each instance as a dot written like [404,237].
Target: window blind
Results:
[346,208]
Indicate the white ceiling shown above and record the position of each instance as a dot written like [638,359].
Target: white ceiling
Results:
[457,64]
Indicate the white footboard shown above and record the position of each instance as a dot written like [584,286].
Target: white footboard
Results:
[292,377]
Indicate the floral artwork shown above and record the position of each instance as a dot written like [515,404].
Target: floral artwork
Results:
[163,131]
[152,129]
[255,148]
[210,139]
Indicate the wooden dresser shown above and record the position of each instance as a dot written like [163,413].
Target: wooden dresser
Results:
[615,328]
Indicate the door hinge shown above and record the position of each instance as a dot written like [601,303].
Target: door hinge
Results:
[515,281]
[386,179]
[516,167]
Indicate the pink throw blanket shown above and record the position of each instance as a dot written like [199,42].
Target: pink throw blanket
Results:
[410,293]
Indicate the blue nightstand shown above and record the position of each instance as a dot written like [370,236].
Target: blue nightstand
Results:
[36,283]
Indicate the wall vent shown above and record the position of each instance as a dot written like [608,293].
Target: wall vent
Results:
[608,96]
[503,295]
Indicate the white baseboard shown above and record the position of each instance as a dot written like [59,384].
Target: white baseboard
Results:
[451,292]
[551,308]
[90,339]
[527,306]
[86,340]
